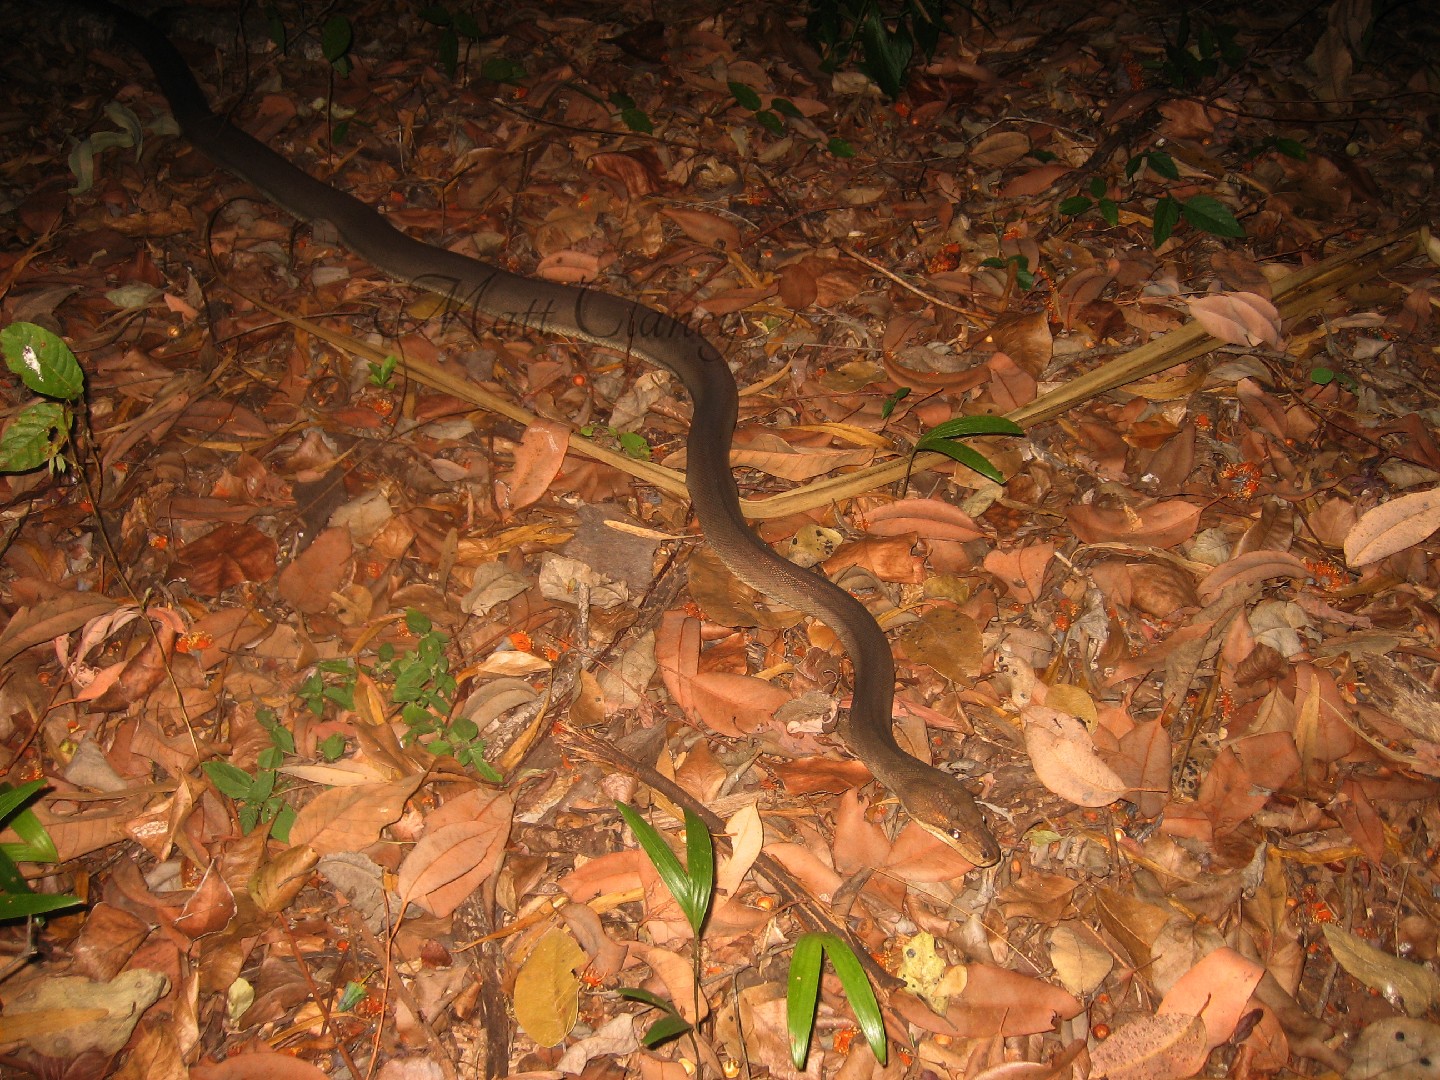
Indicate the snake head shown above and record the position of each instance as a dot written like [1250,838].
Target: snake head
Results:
[973,843]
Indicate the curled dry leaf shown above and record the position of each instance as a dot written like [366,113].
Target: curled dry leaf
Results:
[1240,318]
[1392,526]
[63,1016]
[1154,1048]
[1065,759]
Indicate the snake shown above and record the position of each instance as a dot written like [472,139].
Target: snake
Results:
[935,800]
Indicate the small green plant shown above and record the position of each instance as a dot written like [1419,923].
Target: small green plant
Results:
[633,445]
[257,801]
[1024,276]
[1201,211]
[887,35]
[631,115]
[336,38]
[772,118]
[802,994]
[943,439]
[1185,67]
[889,404]
[17,901]
[693,886]
[453,26]
[40,432]
[420,682]
[383,372]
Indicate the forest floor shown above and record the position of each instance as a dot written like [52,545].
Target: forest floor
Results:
[330,652]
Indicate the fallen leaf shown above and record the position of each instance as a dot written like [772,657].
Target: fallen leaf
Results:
[1392,526]
[547,988]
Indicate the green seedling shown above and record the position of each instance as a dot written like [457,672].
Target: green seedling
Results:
[802,994]
[772,119]
[943,439]
[886,34]
[453,26]
[384,371]
[256,800]
[17,901]
[1202,212]
[1024,276]
[693,885]
[632,444]
[40,432]
[631,115]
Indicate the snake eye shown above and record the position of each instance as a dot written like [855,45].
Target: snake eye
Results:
[957,834]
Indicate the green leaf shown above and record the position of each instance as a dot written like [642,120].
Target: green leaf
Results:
[664,1029]
[1075,205]
[840,148]
[229,780]
[1110,212]
[336,38]
[283,823]
[700,861]
[1167,215]
[893,400]
[21,907]
[1163,164]
[44,363]
[467,26]
[770,122]
[964,427]
[1131,168]
[971,459]
[635,445]
[786,107]
[802,995]
[332,747]
[682,885]
[11,799]
[635,993]
[502,70]
[637,120]
[275,26]
[860,993]
[887,55]
[1293,149]
[746,97]
[1211,215]
[449,51]
[11,879]
[33,437]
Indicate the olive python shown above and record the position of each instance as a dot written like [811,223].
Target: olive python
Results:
[934,799]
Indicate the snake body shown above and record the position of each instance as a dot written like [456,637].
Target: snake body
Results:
[934,799]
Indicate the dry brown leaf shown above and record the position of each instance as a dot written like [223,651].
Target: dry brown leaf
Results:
[227,555]
[734,705]
[547,988]
[1153,1048]
[1413,987]
[350,819]
[1065,760]
[1240,318]
[1217,990]
[1022,570]
[771,453]
[452,860]
[1392,526]
[1398,1048]
[310,582]
[1162,524]
[705,228]
[538,458]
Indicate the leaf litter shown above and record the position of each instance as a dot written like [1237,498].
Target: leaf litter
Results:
[1186,654]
